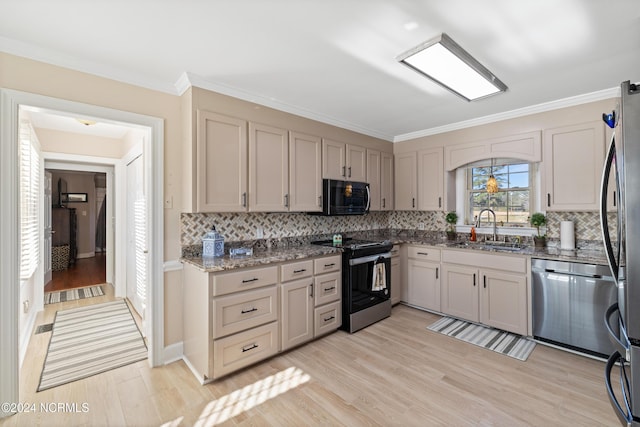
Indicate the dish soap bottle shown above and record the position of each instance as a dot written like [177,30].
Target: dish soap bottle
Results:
[473,234]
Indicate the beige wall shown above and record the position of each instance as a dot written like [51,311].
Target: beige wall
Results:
[56,141]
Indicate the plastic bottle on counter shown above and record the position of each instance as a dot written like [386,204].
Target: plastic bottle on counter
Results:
[473,234]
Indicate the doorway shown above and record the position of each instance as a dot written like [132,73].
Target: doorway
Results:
[78,229]
[11,101]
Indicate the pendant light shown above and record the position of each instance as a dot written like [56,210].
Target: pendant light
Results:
[492,184]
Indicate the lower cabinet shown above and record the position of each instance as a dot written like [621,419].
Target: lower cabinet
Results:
[495,295]
[297,312]
[423,282]
[236,318]
[311,306]
[396,275]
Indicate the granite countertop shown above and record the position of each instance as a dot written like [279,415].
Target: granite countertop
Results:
[260,257]
[591,253]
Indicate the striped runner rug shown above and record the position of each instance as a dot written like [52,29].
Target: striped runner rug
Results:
[499,341]
[89,340]
[73,294]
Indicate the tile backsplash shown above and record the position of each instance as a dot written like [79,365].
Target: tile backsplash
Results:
[243,226]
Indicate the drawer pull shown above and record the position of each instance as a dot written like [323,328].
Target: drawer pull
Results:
[326,319]
[423,253]
[251,347]
[249,311]
[329,289]
[330,265]
[302,270]
[255,279]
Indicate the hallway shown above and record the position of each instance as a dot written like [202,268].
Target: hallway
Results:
[85,272]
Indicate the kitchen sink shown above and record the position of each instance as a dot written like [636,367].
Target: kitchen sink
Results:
[491,245]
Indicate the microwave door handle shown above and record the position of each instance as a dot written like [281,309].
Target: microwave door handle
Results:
[604,223]
[368,198]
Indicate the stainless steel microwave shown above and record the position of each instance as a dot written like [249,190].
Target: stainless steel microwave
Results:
[345,197]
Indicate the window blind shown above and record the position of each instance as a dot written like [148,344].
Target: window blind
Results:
[30,192]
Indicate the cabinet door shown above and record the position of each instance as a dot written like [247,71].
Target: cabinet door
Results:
[386,182]
[356,163]
[406,181]
[573,160]
[396,280]
[430,179]
[373,178]
[221,149]
[459,292]
[305,166]
[334,159]
[268,169]
[503,301]
[297,312]
[424,284]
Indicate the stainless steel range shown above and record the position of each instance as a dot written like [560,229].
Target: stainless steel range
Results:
[366,281]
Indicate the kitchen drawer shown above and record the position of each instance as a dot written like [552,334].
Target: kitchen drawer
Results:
[296,270]
[425,253]
[240,311]
[327,318]
[244,348]
[242,280]
[327,264]
[327,288]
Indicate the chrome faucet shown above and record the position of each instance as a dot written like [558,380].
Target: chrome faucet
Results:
[495,234]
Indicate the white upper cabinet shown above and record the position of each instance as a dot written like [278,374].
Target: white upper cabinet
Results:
[221,173]
[406,181]
[430,180]
[373,178]
[343,161]
[573,161]
[386,182]
[268,168]
[305,170]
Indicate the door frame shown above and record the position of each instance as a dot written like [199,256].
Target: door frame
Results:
[10,102]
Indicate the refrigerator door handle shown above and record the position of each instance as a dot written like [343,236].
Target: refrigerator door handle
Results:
[623,348]
[625,417]
[604,223]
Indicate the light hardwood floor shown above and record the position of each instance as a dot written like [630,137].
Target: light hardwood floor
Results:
[393,373]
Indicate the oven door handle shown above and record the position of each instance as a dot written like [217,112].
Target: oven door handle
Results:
[367,259]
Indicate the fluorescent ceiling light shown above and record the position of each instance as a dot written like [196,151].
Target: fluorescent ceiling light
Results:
[446,63]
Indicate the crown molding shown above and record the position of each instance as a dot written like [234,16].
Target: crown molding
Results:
[187,80]
[520,112]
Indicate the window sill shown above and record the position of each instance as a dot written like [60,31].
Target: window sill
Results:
[508,231]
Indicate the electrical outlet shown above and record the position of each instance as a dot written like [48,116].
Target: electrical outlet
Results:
[421,226]
[259,233]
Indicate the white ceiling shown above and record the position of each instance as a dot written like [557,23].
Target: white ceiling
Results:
[334,60]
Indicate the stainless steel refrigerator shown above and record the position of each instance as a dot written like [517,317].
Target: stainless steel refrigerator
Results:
[622,246]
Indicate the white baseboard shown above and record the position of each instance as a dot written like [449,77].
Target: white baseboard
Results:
[202,380]
[25,335]
[172,353]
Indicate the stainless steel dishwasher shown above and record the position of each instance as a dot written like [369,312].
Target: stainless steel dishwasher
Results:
[569,302]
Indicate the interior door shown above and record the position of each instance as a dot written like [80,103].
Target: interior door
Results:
[47,228]
[137,252]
